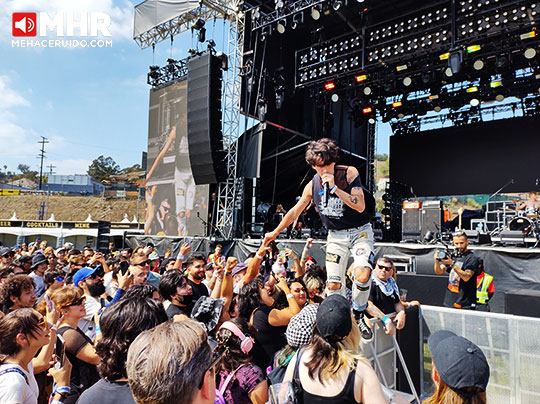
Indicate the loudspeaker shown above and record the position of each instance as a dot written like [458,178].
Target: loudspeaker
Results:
[411,221]
[427,289]
[205,138]
[522,302]
[103,236]
[432,217]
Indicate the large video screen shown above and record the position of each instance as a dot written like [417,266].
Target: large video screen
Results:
[473,159]
[173,201]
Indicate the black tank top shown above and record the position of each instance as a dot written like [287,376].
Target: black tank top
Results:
[337,215]
[345,397]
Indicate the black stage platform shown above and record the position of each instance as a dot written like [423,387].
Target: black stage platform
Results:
[512,268]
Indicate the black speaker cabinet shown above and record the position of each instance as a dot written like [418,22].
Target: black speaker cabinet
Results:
[204,120]
[432,217]
[411,221]
[522,302]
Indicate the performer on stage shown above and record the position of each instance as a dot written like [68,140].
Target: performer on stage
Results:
[531,203]
[345,208]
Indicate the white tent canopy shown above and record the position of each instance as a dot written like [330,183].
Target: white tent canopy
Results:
[152,13]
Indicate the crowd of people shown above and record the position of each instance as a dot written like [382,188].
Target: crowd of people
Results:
[133,326]
[131,322]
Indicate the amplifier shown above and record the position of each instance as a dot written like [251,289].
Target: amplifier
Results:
[432,217]
[522,302]
[411,221]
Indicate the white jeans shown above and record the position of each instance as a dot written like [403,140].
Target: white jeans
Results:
[357,241]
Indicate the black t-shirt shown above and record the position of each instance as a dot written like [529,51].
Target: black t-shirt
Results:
[173,310]
[269,339]
[386,304]
[198,291]
[105,392]
[460,293]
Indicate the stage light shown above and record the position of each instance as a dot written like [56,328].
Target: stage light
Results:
[281,26]
[448,72]
[475,102]
[472,89]
[495,83]
[478,64]
[198,24]
[454,61]
[407,81]
[337,5]
[530,53]
[367,90]
[329,86]
[397,104]
[473,48]
[334,98]
[315,13]
[444,56]
[499,97]
[367,110]
[426,78]
[527,35]
[202,35]
[501,60]
[371,121]
[360,78]
[401,68]
[297,19]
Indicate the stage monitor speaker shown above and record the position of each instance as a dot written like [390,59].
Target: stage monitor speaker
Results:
[511,238]
[205,138]
[411,221]
[432,217]
[475,237]
[522,302]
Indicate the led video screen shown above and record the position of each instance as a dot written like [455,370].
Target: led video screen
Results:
[173,201]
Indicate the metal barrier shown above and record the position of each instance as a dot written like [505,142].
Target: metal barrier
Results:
[511,345]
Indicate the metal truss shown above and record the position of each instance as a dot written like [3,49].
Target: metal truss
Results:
[162,76]
[370,161]
[182,23]
[284,12]
[230,192]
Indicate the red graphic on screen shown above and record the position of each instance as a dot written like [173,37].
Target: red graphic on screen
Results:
[24,24]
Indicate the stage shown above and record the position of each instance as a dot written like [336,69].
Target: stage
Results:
[512,268]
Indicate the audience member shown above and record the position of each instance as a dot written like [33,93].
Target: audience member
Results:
[39,265]
[175,288]
[17,292]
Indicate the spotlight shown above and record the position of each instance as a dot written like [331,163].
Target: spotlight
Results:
[371,121]
[448,72]
[281,26]
[478,64]
[407,81]
[315,13]
[329,86]
[397,104]
[530,53]
[501,60]
[473,48]
[337,5]
[454,61]
[367,90]
[527,35]
[495,83]
[367,110]
[202,35]
[198,24]
[334,98]
[475,102]
[297,19]
[360,78]
[499,97]
[472,89]
[401,68]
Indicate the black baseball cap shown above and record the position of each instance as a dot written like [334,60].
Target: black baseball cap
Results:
[460,362]
[334,317]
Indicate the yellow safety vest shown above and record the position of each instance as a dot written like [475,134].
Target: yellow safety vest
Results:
[482,296]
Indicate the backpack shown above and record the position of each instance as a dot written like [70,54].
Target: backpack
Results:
[289,392]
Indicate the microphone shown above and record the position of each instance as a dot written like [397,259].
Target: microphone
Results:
[325,195]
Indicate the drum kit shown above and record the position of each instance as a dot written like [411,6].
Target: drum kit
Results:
[525,220]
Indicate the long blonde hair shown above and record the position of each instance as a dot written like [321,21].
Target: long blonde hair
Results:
[329,357]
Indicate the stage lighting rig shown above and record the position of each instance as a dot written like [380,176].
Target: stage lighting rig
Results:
[160,76]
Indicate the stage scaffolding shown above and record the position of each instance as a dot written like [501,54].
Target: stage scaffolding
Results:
[229,191]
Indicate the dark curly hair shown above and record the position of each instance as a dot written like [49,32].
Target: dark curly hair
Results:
[249,298]
[21,321]
[140,291]
[14,286]
[322,152]
[120,324]
[229,344]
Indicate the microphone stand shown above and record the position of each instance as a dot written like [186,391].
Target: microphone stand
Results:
[500,189]
[205,224]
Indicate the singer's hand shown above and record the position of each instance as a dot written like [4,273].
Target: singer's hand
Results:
[328,178]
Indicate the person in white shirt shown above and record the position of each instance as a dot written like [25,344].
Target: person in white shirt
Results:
[39,266]
[90,280]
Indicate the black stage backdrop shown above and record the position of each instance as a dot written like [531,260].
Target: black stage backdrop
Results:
[512,268]
[473,159]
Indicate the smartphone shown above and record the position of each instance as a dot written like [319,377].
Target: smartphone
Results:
[59,352]
[188,240]
[50,304]
[124,266]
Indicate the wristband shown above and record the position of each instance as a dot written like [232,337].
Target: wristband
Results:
[228,272]
[56,402]
[54,327]
[334,189]
[98,329]
[289,296]
[386,320]
[180,257]
[63,389]
[258,256]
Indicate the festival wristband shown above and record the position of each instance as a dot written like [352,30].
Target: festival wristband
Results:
[228,272]
[180,257]
[289,296]
[56,402]
[258,256]
[54,327]
[386,320]
[63,390]
[334,189]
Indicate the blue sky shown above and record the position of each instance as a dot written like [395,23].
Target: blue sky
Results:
[86,101]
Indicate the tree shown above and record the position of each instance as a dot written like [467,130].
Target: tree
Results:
[102,168]
[381,157]
[133,168]
[23,168]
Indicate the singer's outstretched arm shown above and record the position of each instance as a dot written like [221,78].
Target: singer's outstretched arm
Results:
[291,215]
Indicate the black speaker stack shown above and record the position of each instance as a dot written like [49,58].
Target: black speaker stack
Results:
[205,137]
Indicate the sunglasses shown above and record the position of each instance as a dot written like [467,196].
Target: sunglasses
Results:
[388,269]
[144,263]
[59,279]
[215,360]
[43,324]
[77,302]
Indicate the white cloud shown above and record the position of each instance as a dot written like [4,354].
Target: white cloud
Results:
[70,166]
[120,11]
[10,98]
